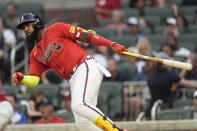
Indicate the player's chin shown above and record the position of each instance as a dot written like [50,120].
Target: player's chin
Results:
[28,37]
[27,34]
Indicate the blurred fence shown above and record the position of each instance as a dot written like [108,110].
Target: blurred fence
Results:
[172,125]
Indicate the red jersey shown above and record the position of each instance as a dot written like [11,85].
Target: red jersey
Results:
[54,119]
[108,5]
[57,50]
[2,96]
[2,93]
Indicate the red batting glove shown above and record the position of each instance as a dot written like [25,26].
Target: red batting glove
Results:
[17,77]
[118,48]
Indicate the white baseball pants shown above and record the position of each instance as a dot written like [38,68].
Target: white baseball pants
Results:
[85,84]
[6,112]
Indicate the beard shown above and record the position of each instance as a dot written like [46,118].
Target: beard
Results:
[33,36]
[31,39]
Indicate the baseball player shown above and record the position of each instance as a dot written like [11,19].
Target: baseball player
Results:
[56,48]
[6,110]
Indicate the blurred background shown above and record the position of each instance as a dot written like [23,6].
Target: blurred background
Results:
[138,90]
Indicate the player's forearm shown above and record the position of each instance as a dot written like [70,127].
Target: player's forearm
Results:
[100,41]
[95,39]
[31,81]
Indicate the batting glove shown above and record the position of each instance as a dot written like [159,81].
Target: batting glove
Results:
[17,77]
[118,48]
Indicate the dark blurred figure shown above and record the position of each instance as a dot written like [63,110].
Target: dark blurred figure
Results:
[33,112]
[163,84]
[179,51]
[65,100]
[181,21]
[7,42]
[195,21]
[133,62]
[148,68]
[104,8]
[169,50]
[137,104]
[2,57]
[130,65]
[18,117]
[161,3]
[192,74]
[144,47]
[130,59]
[46,108]
[171,27]
[65,105]
[11,16]
[139,4]
[8,37]
[11,20]
[175,9]
[196,49]
[112,66]
[189,2]
[143,23]
[133,24]
[51,77]
[117,22]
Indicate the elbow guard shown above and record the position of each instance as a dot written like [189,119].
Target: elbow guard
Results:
[83,35]
[91,37]
[90,33]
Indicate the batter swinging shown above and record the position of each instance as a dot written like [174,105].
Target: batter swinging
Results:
[56,48]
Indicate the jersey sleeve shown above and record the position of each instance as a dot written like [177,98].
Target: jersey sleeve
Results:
[36,68]
[65,30]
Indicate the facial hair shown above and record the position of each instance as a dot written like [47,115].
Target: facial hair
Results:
[33,36]
[31,39]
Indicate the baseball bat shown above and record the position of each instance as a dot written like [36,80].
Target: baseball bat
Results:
[173,63]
